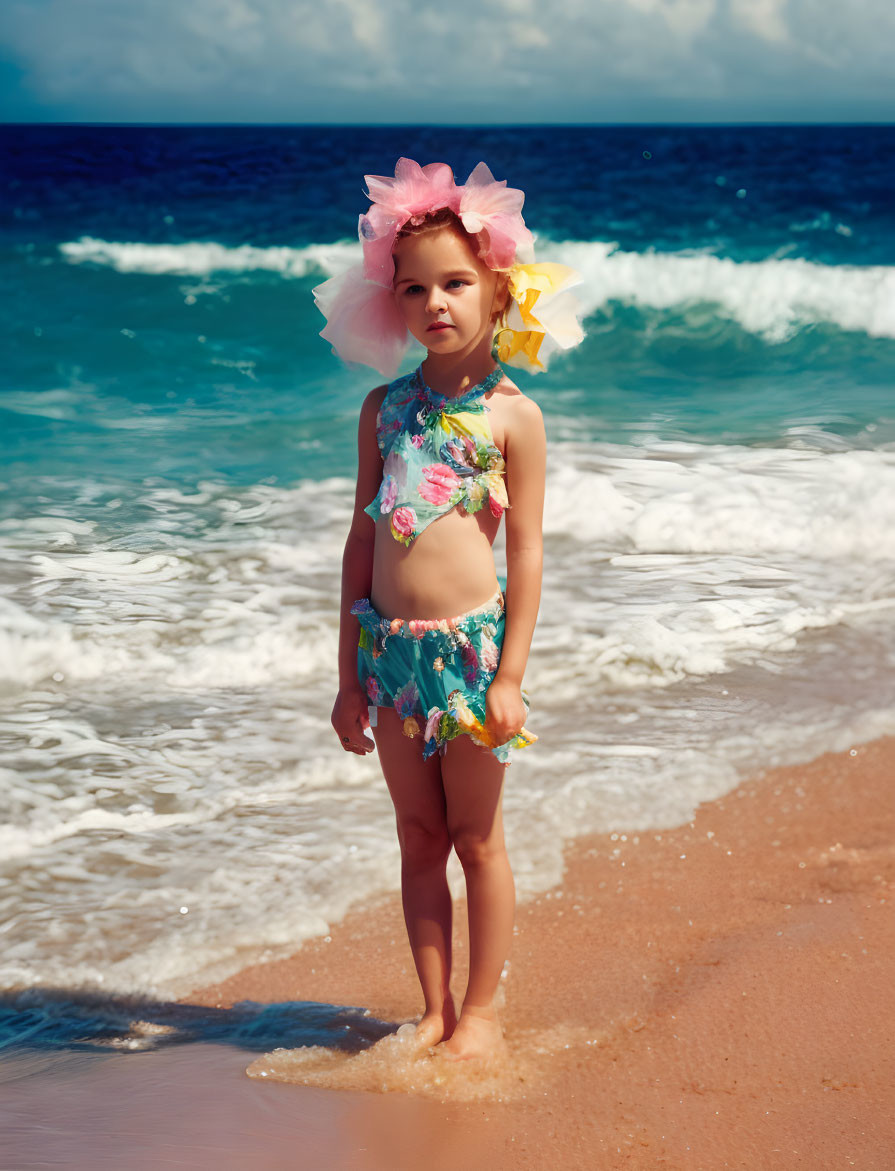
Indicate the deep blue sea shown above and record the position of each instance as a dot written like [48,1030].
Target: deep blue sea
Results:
[177,447]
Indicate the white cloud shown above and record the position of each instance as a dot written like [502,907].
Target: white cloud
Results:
[528,36]
[367,24]
[765,18]
[684,18]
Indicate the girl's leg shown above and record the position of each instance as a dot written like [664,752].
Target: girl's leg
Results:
[416,791]
[473,781]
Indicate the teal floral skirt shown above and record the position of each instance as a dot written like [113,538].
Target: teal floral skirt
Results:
[435,672]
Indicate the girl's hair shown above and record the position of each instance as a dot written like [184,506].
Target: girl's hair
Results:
[432,221]
[445,218]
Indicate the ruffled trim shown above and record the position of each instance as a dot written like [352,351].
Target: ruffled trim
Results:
[490,207]
[450,633]
[526,339]
[488,210]
[413,192]
[460,719]
[363,323]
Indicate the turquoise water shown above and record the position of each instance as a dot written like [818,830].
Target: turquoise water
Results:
[156,289]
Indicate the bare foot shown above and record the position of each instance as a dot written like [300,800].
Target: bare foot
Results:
[436,1026]
[478,1036]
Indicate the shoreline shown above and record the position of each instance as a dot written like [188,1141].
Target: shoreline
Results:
[714,995]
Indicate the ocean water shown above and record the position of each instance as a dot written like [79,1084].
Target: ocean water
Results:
[177,451]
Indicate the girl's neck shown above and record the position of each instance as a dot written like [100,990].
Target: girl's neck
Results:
[451,375]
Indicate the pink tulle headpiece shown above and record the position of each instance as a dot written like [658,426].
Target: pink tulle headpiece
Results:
[363,321]
[483,204]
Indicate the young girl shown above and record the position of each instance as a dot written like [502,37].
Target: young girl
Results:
[432,651]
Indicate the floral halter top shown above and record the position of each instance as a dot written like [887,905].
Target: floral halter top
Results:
[439,452]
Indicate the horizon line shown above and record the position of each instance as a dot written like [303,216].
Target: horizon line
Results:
[450,125]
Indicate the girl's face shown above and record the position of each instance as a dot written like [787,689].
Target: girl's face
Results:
[444,293]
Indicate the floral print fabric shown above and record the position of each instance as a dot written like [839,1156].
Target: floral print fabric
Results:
[439,452]
[436,672]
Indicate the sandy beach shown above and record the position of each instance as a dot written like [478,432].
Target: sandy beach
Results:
[716,995]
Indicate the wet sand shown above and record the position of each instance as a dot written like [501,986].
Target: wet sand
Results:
[719,995]
[715,995]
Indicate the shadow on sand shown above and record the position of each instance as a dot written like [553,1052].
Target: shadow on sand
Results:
[54,1019]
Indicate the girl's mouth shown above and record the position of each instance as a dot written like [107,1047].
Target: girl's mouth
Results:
[440,325]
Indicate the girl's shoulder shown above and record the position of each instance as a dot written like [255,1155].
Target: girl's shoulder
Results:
[513,415]
[372,405]
[514,403]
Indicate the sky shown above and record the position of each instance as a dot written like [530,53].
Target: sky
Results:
[457,63]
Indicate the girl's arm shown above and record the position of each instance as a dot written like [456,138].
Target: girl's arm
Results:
[349,717]
[526,458]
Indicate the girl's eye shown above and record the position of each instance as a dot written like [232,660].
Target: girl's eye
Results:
[412,290]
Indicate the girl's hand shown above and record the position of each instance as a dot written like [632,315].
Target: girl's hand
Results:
[504,710]
[351,719]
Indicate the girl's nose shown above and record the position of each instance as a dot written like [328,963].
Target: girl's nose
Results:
[437,300]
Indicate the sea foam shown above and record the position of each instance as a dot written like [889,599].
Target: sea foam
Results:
[773,297]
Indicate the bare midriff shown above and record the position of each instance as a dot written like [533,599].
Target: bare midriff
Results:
[445,571]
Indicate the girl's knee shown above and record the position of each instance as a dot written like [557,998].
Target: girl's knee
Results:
[423,843]
[475,850]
